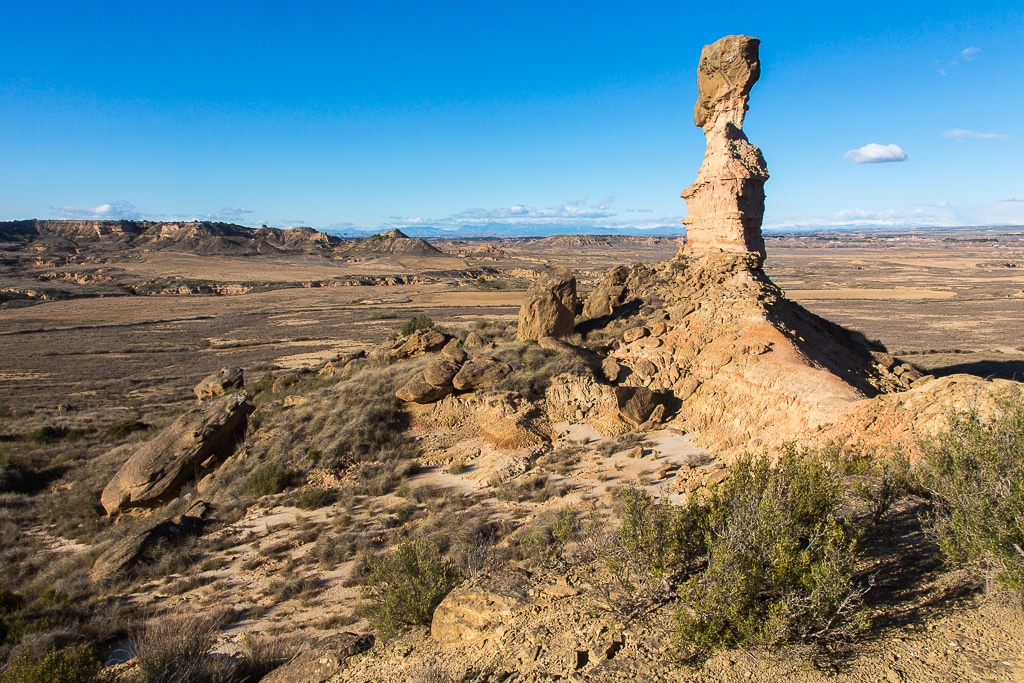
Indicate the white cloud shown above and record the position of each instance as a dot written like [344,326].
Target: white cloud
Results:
[1012,199]
[969,53]
[959,134]
[873,153]
[111,211]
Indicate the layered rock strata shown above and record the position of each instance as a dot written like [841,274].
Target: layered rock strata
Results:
[726,202]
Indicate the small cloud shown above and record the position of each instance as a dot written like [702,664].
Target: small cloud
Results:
[229,214]
[959,134]
[942,72]
[639,210]
[1012,199]
[943,204]
[111,211]
[969,53]
[873,153]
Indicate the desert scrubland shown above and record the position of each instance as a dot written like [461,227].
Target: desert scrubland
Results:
[238,455]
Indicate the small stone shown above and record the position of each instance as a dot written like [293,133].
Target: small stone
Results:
[634,333]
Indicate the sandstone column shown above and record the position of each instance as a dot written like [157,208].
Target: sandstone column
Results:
[726,202]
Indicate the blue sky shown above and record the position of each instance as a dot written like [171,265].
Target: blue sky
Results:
[501,116]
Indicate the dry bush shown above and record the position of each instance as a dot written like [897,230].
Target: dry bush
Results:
[176,649]
[975,473]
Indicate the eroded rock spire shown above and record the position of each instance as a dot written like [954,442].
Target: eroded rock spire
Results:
[726,202]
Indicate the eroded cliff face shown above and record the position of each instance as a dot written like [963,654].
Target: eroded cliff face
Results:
[726,202]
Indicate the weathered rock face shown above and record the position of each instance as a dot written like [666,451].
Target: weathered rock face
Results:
[726,202]
[637,404]
[420,342]
[185,450]
[219,383]
[322,661]
[479,608]
[480,373]
[128,551]
[550,307]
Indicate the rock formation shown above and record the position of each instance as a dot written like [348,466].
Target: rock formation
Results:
[550,307]
[726,202]
[220,382]
[191,446]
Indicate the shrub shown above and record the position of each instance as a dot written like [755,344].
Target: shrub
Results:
[403,587]
[313,497]
[75,664]
[267,480]
[545,540]
[780,563]
[975,472]
[419,322]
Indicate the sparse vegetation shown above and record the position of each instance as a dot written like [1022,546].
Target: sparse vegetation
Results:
[268,479]
[402,587]
[74,664]
[415,324]
[975,472]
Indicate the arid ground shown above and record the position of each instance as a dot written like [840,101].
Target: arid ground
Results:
[90,371]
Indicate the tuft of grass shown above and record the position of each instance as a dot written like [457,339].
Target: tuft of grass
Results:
[975,472]
[403,587]
[268,479]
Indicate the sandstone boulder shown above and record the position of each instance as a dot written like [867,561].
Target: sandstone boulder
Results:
[322,661]
[284,381]
[550,306]
[421,341]
[418,390]
[634,333]
[480,608]
[453,352]
[608,295]
[185,450]
[480,373]
[474,341]
[220,382]
[441,373]
[611,369]
[636,404]
[128,551]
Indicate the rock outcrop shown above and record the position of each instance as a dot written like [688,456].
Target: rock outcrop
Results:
[130,550]
[324,660]
[220,383]
[726,202]
[550,306]
[191,446]
[480,373]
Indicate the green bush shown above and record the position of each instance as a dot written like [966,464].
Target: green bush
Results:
[76,664]
[545,540]
[419,322]
[975,472]
[268,479]
[780,563]
[403,587]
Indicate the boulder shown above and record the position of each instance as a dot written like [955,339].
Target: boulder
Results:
[480,608]
[285,381]
[611,369]
[550,306]
[129,550]
[220,383]
[421,341]
[609,294]
[418,390]
[634,333]
[474,341]
[322,661]
[453,352]
[185,450]
[480,373]
[637,403]
[441,373]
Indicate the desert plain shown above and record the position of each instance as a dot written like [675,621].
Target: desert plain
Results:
[102,350]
